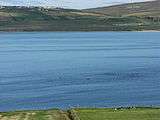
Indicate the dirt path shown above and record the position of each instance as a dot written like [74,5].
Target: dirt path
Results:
[40,115]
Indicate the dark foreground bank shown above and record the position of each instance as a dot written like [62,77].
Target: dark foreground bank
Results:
[85,114]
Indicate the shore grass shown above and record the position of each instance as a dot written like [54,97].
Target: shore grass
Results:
[119,114]
[85,114]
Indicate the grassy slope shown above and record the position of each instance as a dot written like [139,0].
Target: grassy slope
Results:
[28,19]
[122,114]
[143,16]
[35,115]
[151,8]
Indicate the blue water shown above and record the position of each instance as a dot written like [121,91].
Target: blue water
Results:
[42,70]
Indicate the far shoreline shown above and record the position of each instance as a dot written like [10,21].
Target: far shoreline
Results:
[77,31]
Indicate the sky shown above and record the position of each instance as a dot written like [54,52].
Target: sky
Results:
[73,4]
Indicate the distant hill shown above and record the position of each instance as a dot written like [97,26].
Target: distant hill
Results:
[126,17]
[20,18]
[150,8]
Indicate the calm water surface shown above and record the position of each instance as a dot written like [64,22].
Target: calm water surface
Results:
[42,70]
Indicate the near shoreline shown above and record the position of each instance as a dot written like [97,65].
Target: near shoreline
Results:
[129,113]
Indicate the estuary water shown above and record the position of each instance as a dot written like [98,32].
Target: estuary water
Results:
[42,70]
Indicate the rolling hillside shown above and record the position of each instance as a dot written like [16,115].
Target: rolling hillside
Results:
[151,8]
[44,19]
[126,17]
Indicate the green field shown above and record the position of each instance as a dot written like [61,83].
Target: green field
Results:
[85,114]
[121,114]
